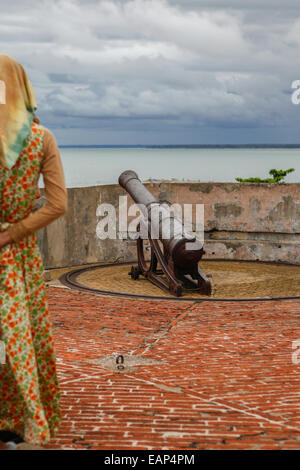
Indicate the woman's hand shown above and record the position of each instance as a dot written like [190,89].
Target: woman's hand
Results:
[5,239]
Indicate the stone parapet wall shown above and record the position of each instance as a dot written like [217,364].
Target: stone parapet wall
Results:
[246,221]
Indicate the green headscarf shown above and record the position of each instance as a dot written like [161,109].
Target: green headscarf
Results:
[16,109]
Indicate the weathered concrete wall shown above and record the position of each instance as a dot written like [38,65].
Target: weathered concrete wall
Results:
[242,221]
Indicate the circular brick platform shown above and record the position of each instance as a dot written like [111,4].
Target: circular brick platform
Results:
[229,279]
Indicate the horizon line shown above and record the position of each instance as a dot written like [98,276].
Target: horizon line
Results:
[181,146]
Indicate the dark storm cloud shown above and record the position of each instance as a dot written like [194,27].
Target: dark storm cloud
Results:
[150,65]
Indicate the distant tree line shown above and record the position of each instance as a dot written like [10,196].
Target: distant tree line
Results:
[277,176]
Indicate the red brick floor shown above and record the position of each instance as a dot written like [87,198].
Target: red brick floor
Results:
[225,378]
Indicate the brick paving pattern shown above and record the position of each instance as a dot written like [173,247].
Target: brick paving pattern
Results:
[222,375]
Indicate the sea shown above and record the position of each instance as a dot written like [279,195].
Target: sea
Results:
[91,166]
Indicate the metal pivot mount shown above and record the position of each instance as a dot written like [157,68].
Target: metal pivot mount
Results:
[178,266]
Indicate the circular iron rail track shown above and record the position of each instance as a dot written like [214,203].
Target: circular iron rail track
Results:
[69,279]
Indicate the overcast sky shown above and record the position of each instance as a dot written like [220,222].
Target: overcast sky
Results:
[159,71]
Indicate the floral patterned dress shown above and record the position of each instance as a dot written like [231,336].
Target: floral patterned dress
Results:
[29,391]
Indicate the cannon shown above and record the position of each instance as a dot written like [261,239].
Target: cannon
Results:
[178,261]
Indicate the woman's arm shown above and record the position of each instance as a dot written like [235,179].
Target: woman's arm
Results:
[5,238]
[55,192]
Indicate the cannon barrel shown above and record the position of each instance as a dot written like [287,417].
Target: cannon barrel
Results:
[175,244]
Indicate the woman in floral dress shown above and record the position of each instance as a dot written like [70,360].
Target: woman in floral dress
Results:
[29,391]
